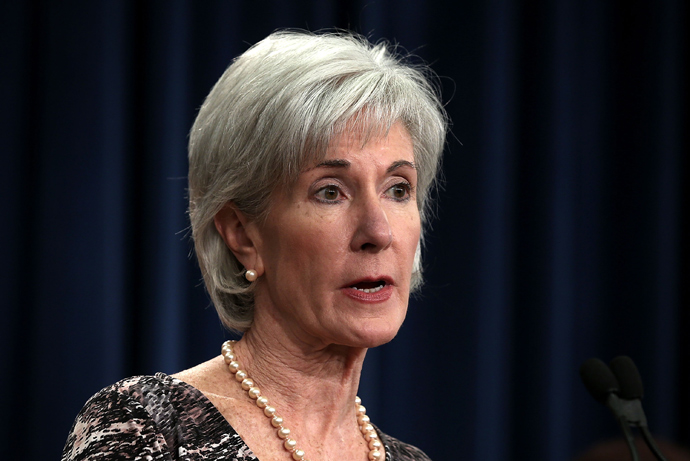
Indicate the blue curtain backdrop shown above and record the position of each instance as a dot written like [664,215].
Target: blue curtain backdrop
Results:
[562,230]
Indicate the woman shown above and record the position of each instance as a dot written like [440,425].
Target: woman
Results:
[311,161]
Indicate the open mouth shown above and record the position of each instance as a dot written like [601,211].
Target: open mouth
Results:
[370,287]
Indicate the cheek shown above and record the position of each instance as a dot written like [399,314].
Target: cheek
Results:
[416,226]
[415,233]
[309,240]
[412,232]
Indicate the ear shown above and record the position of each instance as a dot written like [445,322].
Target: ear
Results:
[240,235]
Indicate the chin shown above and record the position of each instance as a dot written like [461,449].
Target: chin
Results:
[376,336]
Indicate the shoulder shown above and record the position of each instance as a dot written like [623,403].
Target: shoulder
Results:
[115,422]
[146,391]
[143,416]
[400,451]
[160,398]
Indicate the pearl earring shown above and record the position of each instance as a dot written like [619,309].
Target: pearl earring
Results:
[250,275]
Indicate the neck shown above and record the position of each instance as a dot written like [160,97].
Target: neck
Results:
[329,425]
[310,385]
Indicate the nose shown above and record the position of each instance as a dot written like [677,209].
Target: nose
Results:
[373,231]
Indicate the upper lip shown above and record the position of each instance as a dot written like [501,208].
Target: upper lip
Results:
[370,279]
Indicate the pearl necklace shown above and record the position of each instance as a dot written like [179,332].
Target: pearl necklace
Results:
[277,422]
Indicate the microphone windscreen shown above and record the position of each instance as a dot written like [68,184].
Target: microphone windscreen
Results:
[598,379]
[628,377]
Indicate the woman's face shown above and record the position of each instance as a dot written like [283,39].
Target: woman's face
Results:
[338,248]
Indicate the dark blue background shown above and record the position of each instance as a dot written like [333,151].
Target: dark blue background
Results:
[562,229]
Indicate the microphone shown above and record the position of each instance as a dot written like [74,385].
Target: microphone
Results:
[620,388]
[603,385]
[631,390]
[628,377]
[598,379]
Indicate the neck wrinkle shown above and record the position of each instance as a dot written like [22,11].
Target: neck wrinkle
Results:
[313,389]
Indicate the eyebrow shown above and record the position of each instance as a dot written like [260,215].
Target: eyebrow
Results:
[338,163]
[399,164]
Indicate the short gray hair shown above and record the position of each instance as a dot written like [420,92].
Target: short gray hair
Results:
[273,112]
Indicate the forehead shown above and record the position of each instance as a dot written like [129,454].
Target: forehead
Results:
[391,145]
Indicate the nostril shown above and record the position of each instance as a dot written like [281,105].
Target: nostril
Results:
[373,232]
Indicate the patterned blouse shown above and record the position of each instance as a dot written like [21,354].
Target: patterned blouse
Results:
[162,418]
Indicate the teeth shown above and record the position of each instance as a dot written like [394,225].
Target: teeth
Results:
[369,290]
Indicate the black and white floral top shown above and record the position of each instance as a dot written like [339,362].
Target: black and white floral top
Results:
[162,418]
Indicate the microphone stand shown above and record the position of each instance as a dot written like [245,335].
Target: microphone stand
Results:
[623,411]
[620,389]
[651,443]
[629,439]
[630,413]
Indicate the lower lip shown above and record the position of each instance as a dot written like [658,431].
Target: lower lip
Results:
[383,294]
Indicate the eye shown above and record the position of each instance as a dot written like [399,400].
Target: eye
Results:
[328,193]
[400,191]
